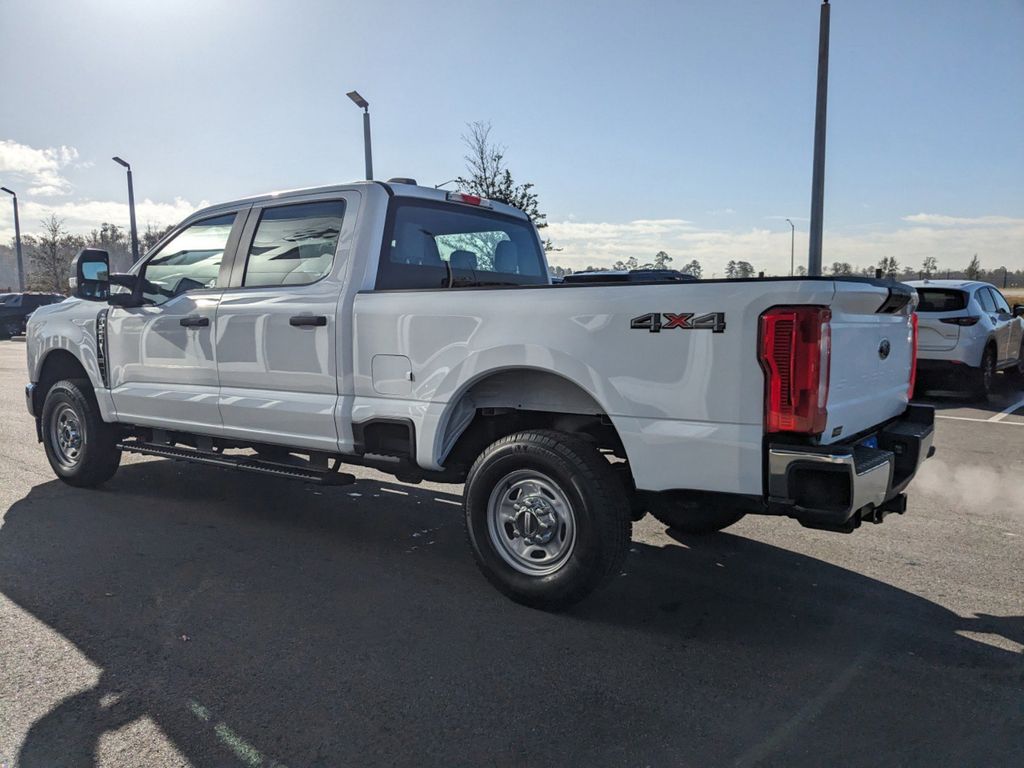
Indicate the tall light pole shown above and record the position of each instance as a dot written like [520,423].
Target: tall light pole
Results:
[17,241]
[818,175]
[792,241]
[364,105]
[131,207]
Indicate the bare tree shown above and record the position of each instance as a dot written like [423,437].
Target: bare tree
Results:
[661,260]
[489,176]
[50,256]
[929,266]
[973,271]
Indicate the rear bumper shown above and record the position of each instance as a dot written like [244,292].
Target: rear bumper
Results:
[835,487]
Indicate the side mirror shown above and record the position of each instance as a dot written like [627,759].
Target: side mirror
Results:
[90,270]
[127,298]
[1018,310]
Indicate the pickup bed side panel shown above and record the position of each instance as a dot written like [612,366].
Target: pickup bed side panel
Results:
[687,400]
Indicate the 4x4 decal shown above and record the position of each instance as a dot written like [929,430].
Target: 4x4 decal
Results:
[712,321]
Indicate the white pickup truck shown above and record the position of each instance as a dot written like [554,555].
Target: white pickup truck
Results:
[417,331]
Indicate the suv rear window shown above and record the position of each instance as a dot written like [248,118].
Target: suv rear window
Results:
[940,300]
[437,245]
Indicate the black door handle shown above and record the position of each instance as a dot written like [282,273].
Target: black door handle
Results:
[195,321]
[307,320]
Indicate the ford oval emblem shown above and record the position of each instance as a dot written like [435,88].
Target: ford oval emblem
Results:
[884,348]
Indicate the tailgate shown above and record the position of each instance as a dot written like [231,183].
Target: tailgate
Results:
[933,335]
[872,340]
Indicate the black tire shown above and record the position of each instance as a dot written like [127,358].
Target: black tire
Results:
[599,517]
[1016,373]
[9,328]
[696,518]
[79,445]
[983,378]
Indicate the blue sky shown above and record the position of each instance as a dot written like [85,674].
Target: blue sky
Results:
[685,126]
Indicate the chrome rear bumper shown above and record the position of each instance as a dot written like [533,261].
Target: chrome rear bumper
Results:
[837,486]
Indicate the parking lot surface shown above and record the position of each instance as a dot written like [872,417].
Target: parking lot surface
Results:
[184,615]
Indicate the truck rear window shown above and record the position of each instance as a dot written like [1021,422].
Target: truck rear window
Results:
[445,245]
[940,300]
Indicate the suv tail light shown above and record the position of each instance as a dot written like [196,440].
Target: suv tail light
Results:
[958,320]
[913,355]
[796,349]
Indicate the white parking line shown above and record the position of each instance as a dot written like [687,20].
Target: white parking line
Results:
[981,421]
[1003,414]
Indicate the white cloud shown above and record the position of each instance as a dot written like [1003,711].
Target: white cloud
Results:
[81,217]
[39,168]
[941,220]
[997,240]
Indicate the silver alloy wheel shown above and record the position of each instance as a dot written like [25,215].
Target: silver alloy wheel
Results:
[66,436]
[531,522]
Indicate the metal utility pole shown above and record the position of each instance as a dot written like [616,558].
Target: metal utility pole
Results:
[818,176]
[17,241]
[792,242]
[131,207]
[365,106]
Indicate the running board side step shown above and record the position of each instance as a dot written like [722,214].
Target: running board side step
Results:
[244,463]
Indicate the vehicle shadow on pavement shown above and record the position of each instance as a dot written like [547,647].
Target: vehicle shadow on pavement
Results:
[260,622]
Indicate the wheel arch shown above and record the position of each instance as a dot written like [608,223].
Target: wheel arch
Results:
[501,401]
[56,365]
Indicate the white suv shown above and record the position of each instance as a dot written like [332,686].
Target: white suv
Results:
[968,329]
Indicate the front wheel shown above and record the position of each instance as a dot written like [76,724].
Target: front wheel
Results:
[80,446]
[547,518]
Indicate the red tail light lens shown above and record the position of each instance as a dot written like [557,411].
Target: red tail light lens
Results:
[958,320]
[913,355]
[796,349]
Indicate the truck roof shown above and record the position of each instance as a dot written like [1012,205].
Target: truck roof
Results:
[395,187]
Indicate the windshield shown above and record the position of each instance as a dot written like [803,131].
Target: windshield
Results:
[10,299]
[940,300]
[444,245]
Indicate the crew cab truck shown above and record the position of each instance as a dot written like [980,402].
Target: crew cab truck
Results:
[417,331]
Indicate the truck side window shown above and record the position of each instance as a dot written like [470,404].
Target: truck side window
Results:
[294,244]
[189,260]
[437,245]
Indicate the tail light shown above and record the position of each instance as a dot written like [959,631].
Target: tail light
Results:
[466,199]
[913,355]
[958,320]
[796,353]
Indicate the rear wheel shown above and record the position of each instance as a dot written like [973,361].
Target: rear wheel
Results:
[547,518]
[79,445]
[1016,373]
[983,379]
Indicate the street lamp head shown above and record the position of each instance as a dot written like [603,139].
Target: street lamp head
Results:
[359,100]
[121,162]
[9,191]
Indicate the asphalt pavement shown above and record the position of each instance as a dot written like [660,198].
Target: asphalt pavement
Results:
[185,615]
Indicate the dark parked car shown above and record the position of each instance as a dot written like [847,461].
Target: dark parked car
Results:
[16,307]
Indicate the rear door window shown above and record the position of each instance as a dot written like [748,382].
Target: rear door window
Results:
[940,300]
[437,245]
[294,244]
[985,299]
